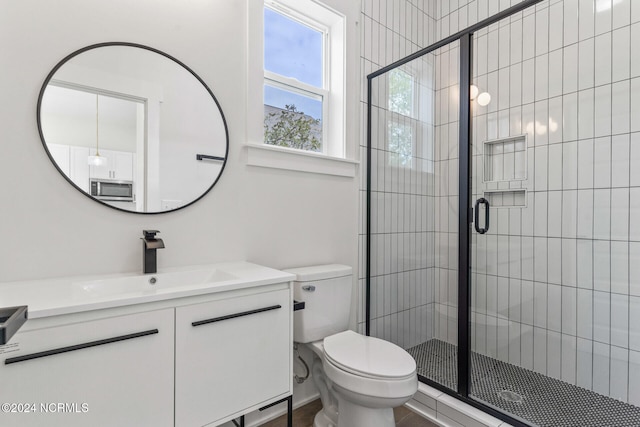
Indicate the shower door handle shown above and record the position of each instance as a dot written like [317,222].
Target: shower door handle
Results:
[476,215]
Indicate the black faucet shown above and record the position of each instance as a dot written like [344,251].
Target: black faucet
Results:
[149,246]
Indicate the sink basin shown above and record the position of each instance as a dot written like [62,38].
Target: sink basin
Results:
[65,295]
[153,282]
[11,319]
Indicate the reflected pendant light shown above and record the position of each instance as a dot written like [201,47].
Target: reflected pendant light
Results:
[473,92]
[484,99]
[97,160]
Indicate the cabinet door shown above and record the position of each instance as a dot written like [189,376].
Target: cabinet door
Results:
[122,166]
[118,166]
[108,372]
[231,355]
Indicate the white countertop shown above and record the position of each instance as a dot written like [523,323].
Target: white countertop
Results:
[56,296]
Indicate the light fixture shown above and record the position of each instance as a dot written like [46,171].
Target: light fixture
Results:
[530,128]
[541,128]
[97,160]
[605,5]
[473,92]
[484,99]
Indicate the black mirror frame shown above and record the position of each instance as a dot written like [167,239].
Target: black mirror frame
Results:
[107,44]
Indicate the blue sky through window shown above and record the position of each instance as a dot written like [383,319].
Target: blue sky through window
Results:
[294,50]
[280,98]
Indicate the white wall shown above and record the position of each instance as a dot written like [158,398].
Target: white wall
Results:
[273,217]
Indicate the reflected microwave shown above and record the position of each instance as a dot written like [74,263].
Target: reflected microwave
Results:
[106,189]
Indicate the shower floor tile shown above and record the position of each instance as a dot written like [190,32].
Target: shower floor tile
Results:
[539,400]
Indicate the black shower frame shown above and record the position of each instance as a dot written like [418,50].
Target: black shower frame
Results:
[465,38]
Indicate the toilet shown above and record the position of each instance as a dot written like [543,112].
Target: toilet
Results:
[360,379]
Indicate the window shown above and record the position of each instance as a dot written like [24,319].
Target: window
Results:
[294,90]
[400,143]
[401,92]
[401,125]
[303,86]
[303,77]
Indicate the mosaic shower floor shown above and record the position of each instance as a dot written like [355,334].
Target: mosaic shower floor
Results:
[536,398]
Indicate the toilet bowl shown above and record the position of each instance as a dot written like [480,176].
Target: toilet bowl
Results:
[360,379]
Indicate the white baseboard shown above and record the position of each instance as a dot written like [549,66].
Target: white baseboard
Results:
[446,411]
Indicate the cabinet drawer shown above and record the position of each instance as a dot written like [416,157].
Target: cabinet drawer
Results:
[231,354]
[114,371]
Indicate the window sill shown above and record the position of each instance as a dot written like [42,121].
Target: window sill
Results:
[290,159]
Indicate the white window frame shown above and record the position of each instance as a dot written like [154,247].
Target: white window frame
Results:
[339,151]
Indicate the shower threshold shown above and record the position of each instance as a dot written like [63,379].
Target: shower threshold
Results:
[535,398]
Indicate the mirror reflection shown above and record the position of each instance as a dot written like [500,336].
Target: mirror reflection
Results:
[132,128]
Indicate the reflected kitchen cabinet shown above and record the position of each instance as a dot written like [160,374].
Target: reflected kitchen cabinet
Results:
[119,165]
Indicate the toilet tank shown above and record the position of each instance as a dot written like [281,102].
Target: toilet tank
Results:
[326,292]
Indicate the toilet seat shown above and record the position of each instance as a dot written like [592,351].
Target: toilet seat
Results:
[370,388]
[368,357]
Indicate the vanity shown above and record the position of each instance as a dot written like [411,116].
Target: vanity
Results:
[188,346]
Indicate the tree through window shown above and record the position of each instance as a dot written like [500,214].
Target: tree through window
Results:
[400,125]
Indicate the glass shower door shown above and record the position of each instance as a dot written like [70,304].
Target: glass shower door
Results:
[553,245]
[414,218]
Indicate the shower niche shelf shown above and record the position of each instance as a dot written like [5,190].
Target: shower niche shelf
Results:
[505,171]
[505,159]
[506,198]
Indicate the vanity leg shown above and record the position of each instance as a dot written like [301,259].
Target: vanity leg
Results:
[239,424]
[289,401]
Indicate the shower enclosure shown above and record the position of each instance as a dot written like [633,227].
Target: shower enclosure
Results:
[501,249]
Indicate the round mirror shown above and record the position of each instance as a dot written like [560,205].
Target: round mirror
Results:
[132,128]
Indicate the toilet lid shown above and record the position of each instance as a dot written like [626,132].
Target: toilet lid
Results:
[368,356]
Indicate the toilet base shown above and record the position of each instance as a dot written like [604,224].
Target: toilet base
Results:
[352,415]
[322,420]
